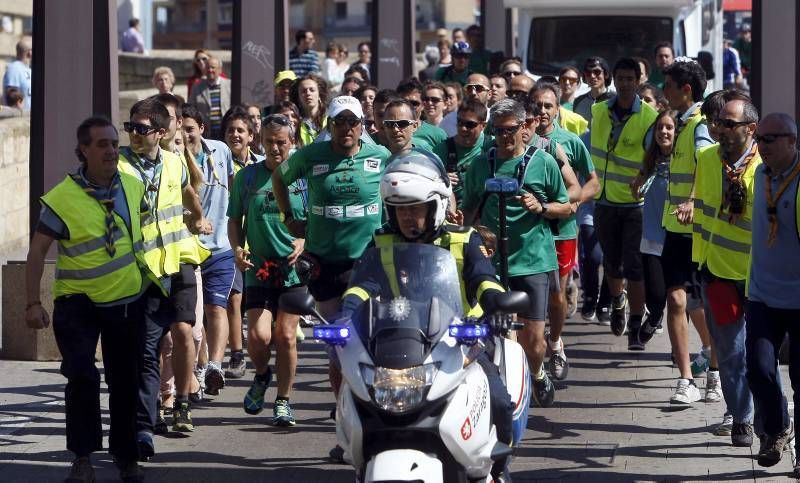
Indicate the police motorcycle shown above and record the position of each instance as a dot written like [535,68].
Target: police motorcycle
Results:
[413,405]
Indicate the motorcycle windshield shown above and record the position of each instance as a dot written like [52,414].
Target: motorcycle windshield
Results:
[414,295]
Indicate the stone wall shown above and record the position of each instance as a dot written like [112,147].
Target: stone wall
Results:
[14,185]
[136,70]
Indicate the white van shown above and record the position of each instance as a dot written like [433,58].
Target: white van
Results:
[557,33]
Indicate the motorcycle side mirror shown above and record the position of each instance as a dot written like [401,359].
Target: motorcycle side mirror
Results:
[512,302]
[298,303]
[501,185]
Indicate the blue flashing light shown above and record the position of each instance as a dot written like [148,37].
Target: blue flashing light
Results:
[332,334]
[468,332]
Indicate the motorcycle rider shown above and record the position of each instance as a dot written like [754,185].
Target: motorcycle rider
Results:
[415,190]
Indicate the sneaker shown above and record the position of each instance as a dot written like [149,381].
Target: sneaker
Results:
[604,315]
[742,435]
[648,329]
[236,365]
[81,471]
[634,344]
[543,392]
[618,307]
[725,427]
[254,399]
[588,311]
[700,362]
[558,365]
[196,397]
[282,414]
[144,442]
[130,471]
[161,426]
[572,298]
[215,380]
[182,417]
[772,447]
[200,374]
[685,393]
[713,387]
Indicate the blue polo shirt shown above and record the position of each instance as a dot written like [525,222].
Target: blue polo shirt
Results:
[216,163]
[775,269]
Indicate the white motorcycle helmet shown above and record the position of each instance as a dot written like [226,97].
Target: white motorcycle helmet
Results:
[412,178]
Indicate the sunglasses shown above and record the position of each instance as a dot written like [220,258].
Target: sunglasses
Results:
[506,131]
[729,123]
[771,138]
[140,129]
[479,88]
[467,124]
[461,56]
[569,80]
[414,103]
[369,124]
[397,124]
[593,72]
[511,73]
[432,99]
[349,122]
[517,94]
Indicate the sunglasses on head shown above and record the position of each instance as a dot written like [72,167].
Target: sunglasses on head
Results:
[397,124]
[729,123]
[277,119]
[467,123]
[140,129]
[479,88]
[506,131]
[348,121]
[433,99]
[771,138]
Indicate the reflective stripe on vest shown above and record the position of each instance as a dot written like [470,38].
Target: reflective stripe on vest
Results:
[727,250]
[681,174]
[83,265]
[617,168]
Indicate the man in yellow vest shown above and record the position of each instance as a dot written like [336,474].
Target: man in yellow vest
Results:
[617,138]
[724,196]
[773,307]
[684,84]
[171,252]
[94,216]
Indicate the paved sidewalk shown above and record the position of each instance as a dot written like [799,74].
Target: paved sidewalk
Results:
[611,422]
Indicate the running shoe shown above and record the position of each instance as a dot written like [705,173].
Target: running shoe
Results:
[701,362]
[742,436]
[161,426]
[236,365]
[713,387]
[604,315]
[634,343]
[544,392]
[282,414]
[182,417]
[254,399]
[215,380]
[772,447]
[725,427]
[558,363]
[81,471]
[588,312]
[618,308]
[685,393]
[648,329]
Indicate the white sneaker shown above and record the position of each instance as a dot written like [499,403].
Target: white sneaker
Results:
[713,387]
[725,427]
[685,393]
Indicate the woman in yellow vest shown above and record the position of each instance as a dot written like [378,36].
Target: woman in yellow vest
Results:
[100,276]
[310,94]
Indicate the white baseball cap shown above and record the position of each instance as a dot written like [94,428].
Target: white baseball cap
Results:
[345,103]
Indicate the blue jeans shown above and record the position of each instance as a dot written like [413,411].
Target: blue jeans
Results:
[729,344]
[590,258]
[766,328]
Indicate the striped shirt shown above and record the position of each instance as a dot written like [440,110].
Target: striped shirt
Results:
[215,112]
[303,63]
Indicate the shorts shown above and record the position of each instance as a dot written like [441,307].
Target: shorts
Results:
[238,282]
[677,260]
[266,297]
[567,252]
[537,286]
[332,280]
[619,231]
[179,305]
[218,272]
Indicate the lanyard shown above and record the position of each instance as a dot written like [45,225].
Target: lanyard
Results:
[772,203]
[217,180]
[151,185]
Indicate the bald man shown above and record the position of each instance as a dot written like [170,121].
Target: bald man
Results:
[477,88]
[773,307]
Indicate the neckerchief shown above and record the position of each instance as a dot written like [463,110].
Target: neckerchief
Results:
[150,185]
[733,172]
[772,203]
[107,202]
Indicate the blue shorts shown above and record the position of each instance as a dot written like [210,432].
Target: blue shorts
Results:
[218,272]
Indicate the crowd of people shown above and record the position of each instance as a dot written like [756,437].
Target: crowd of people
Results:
[657,194]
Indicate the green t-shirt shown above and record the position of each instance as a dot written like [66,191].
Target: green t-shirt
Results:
[449,74]
[581,162]
[530,240]
[479,61]
[567,105]
[344,202]
[464,157]
[427,136]
[267,238]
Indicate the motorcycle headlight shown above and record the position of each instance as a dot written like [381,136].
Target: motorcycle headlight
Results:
[399,390]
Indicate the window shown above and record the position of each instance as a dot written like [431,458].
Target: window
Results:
[341,10]
[554,41]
